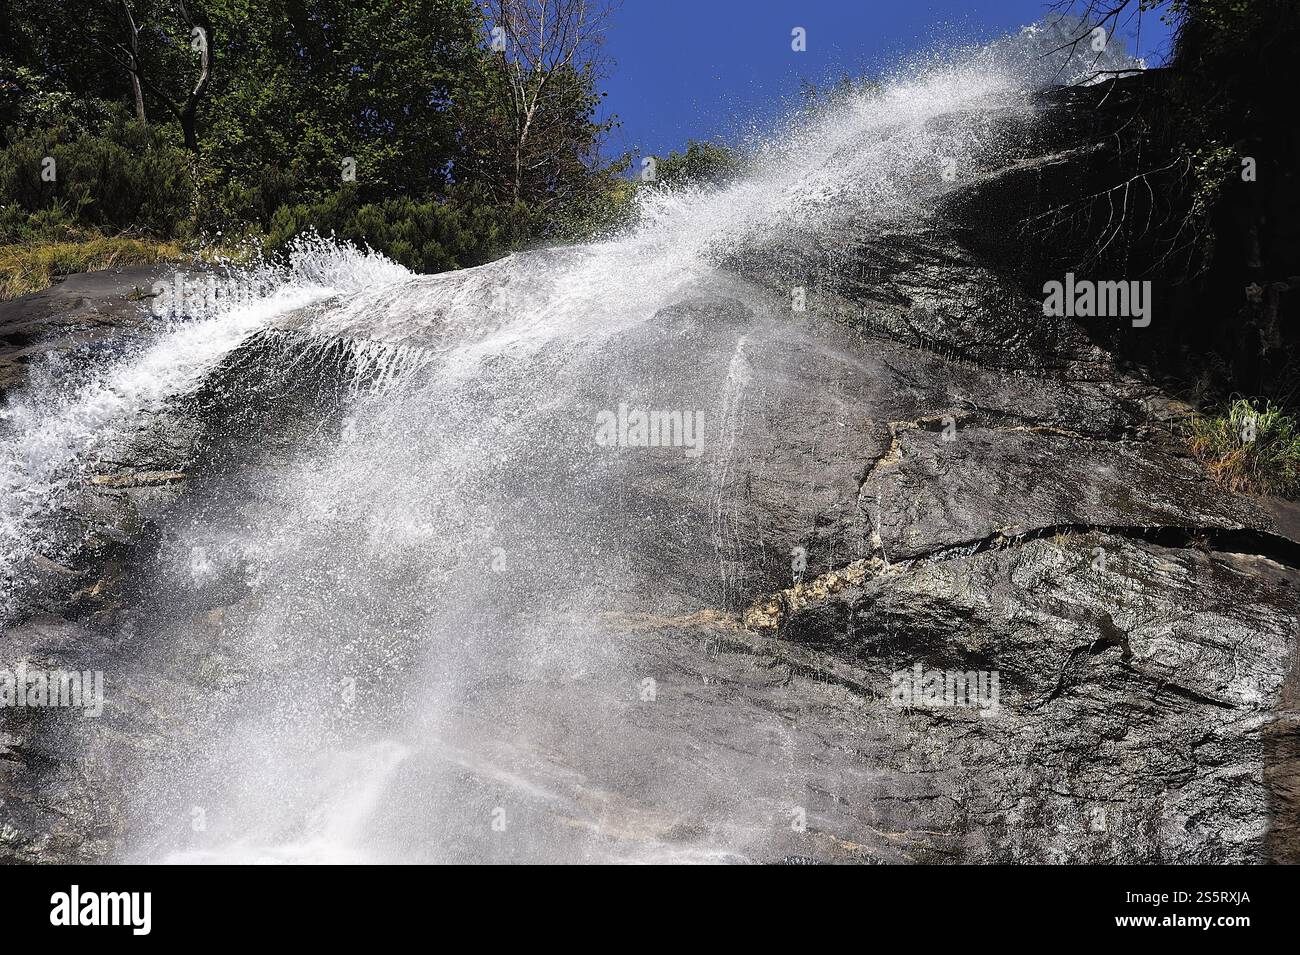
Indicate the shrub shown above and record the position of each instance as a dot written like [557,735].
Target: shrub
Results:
[426,235]
[128,176]
[1250,446]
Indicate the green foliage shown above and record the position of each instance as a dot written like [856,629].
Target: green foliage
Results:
[1250,446]
[1212,165]
[127,177]
[1223,15]
[404,92]
[702,163]
[429,235]
[607,205]
[30,100]
[318,84]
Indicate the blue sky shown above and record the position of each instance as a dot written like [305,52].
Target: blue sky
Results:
[717,69]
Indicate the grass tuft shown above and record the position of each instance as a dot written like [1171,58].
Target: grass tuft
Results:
[1250,446]
[30,267]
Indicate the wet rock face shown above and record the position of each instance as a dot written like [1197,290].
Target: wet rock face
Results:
[71,317]
[1126,725]
[55,762]
[991,653]
[1021,479]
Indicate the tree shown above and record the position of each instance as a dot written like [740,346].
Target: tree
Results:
[146,73]
[703,163]
[548,56]
[44,54]
[311,84]
[325,109]
[94,49]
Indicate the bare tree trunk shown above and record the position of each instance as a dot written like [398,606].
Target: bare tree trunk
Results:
[201,34]
[134,64]
[519,171]
[139,99]
[521,144]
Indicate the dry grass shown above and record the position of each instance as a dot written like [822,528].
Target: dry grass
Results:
[34,266]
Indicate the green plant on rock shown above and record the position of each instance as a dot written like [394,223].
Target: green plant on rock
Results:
[1251,446]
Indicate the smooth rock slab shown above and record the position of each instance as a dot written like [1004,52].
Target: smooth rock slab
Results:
[947,485]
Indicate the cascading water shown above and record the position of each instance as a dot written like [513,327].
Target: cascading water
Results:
[63,425]
[403,597]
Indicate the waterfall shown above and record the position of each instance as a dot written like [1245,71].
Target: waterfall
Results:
[407,606]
